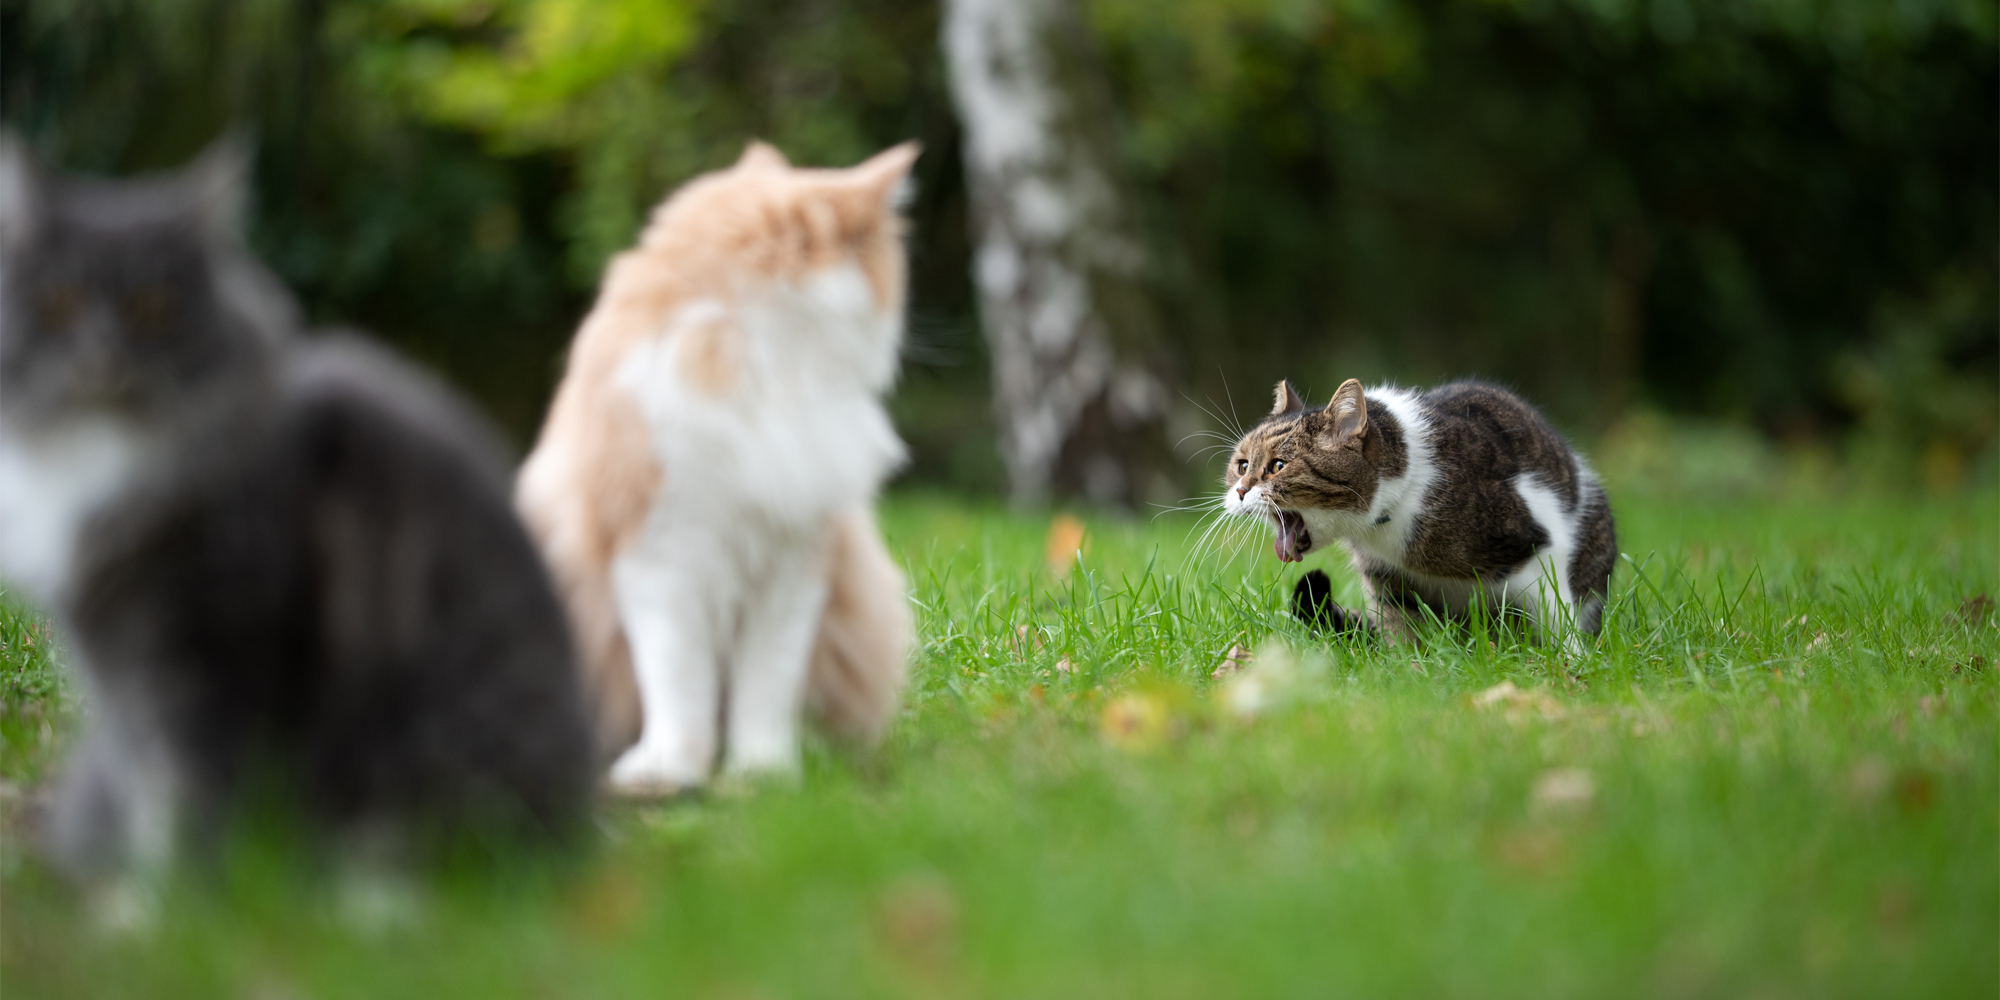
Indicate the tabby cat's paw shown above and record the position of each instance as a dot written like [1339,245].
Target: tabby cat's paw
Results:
[1312,603]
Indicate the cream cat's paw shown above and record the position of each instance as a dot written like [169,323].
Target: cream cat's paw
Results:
[654,771]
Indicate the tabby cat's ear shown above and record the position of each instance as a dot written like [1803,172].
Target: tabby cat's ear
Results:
[1286,399]
[761,155]
[218,182]
[1350,414]
[20,201]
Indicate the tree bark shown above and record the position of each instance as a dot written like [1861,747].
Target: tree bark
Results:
[1060,273]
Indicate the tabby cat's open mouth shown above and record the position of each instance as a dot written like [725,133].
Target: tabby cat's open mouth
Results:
[1294,541]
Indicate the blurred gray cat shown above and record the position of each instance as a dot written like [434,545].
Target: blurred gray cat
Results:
[286,569]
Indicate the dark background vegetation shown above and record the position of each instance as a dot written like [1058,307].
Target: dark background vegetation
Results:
[1779,215]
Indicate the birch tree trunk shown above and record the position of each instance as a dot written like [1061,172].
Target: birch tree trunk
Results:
[1069,324]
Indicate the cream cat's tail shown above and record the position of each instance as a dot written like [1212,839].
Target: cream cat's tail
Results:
[861,656]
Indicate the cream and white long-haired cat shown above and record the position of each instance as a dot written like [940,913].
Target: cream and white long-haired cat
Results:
[703,488]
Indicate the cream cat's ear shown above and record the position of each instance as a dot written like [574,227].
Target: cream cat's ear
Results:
[761,155]
[1285,399]
[880,177]
[1349,410]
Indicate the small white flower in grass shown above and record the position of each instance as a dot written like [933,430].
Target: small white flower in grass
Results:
[1275,676]
[1517,704]
[1564,789]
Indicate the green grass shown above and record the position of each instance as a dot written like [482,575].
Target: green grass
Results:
[1788,732]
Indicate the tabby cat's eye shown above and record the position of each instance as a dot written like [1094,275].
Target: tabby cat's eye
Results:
[1242,466]
[1278,466]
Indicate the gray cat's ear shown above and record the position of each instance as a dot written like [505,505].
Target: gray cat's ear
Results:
[219,183]
[20,193]
[1349,410]
[1286,399]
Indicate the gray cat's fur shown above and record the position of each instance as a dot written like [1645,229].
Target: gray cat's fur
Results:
[307,589]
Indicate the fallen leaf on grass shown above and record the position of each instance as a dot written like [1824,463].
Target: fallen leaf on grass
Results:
[274,986]
[605,905]
[1563,790]
[1535,850]
[917,921]
[1135,722]
[1976,608]
[1516,704]
[1064,545]
[1872,779]
[1915,791]
[1236,659]
[1897,906]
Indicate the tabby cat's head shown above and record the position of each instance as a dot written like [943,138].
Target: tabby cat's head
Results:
[1326,462]
[127,299]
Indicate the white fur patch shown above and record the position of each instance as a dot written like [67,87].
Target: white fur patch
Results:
[49,485]
[802,432]
[1544,580]
[1384,532]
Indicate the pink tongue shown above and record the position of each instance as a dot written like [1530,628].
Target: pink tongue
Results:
[1292,537]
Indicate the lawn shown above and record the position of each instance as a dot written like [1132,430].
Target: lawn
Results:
[1774,775]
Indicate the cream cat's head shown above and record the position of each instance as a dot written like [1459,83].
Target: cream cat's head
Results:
[814,256]
[765,217]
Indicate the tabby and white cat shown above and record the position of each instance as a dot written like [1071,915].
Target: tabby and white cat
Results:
[285,569]
[703,487]
[1444,498]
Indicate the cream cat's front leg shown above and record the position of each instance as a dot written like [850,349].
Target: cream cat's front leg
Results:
[767,675]
[667,611]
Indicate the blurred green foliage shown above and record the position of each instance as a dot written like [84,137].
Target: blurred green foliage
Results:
[1773,213]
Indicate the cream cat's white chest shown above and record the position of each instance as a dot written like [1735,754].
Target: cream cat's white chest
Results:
[769,404]
[50,485]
